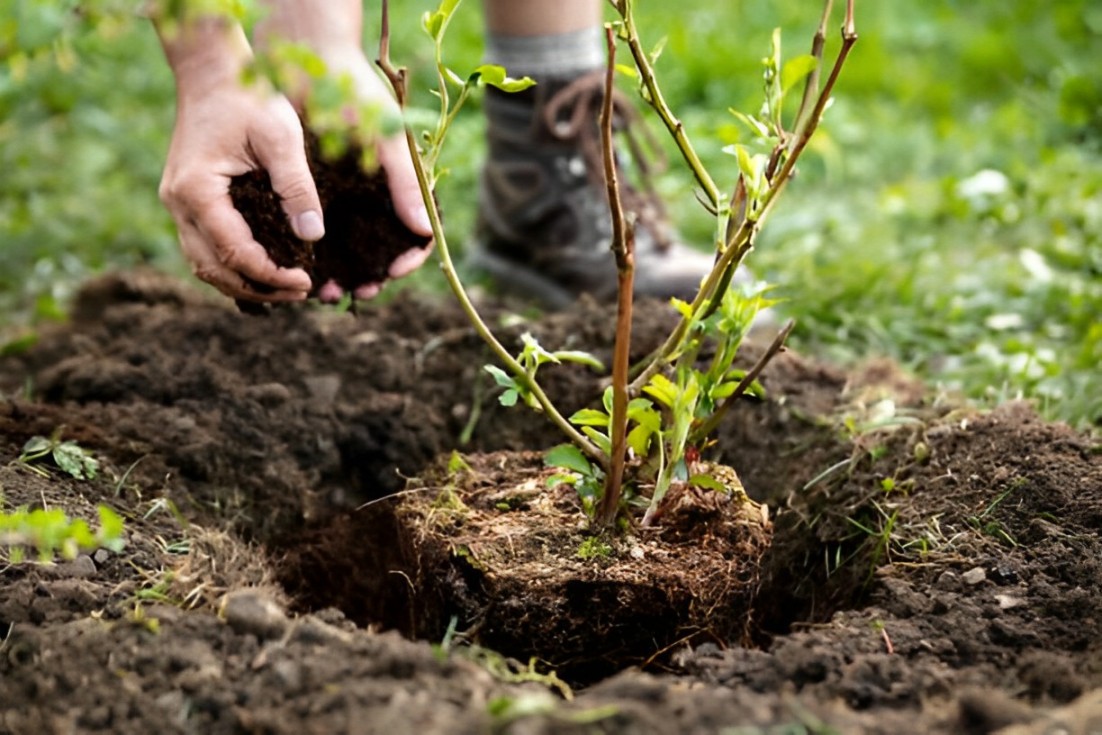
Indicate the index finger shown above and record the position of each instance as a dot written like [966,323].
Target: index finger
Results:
[229,235]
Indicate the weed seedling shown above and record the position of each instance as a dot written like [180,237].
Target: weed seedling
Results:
[68,456]
[50,533]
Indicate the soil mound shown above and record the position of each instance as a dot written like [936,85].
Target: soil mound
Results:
[932,568]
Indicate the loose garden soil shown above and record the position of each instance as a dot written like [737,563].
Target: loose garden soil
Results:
[301,558]
[363,234]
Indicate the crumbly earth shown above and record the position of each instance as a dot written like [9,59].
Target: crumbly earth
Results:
[932,569]
[363,234]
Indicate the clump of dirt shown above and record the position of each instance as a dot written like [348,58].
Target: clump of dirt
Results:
[494,552]
[363,234]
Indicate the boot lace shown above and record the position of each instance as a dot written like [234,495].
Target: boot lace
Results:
[571,115]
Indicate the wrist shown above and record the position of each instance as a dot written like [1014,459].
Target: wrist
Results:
[332,29]
[204,52]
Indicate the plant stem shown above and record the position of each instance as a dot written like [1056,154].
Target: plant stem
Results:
[714,420]
[623,246]
[849,37]
[397,78]
[739,243]
[811,86]
[658,102]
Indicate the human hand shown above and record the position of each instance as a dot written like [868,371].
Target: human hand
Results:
[225,128]
[226,133]
[393,157]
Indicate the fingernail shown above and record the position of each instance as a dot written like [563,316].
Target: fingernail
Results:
[421,221]
[308,226]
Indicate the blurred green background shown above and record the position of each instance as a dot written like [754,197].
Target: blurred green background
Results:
[949,214]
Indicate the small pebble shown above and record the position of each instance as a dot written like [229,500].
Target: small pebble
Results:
[101,556]
[288,674]
[947,579]
[1009,602]
[174,705]
[323,388]
[269,394]
[249,611]
[974,576]
[80,568]
[310,630]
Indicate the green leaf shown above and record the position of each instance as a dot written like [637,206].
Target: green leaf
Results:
[756,126]
[509,397]
[590,417]
[110,529]
[724,389]
[447,8]
[457,464]
[606,400]
[658,49]
[647,417]
[639,439]
[661,389]
[19,345]
[433,23]
[581,358]
[707,482]
[568,457]
[601,440]
[533,355]
[454,78]
[684,308]
[756,389]
[73,460]
[796,70]
[82,537]
[561,477]
[495,76]
[500,376]
[36,446]
[746,163]
[627,70]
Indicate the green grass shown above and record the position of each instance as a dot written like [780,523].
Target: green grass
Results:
[888,242]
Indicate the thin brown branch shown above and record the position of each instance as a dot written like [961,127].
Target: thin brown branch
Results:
[397,78]
[849,37]
[739,242]
[395,75]
[811,86]
[623,246]
[655,98]
[714,420]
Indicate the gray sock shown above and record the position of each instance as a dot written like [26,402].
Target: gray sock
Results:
[557,56]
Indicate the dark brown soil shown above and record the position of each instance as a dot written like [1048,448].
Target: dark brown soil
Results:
[491,550]
[932,568]
[363,234]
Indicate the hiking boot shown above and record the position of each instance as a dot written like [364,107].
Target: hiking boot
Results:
[544,227]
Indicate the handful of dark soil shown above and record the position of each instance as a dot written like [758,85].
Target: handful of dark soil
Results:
[363,234]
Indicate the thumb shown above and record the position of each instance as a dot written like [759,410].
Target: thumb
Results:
[404,189]
[293,182]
